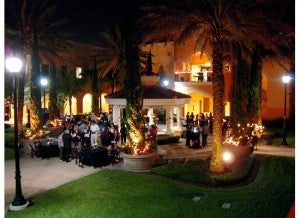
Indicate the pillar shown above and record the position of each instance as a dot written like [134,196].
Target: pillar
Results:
[150,115]
[168,120]
[116,115]
[178,117]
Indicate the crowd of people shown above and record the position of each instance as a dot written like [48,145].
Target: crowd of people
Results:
[90,131]
[197,127]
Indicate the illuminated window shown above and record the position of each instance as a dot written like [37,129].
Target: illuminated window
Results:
[227,108]
[78,72]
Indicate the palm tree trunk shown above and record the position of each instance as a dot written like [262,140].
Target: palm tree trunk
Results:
[21,85]
[35,98]
[254,100]
[95,90]
[53,108]
[133,84]
[216,163]
[70,103]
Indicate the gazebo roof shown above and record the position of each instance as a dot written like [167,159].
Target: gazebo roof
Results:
[152,92]
[153,96]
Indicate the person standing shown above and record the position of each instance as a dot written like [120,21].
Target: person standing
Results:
[116,138]
[87,136]
[123,134]
[94,128]
[67,141]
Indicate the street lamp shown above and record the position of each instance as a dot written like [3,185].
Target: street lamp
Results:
[285,79]
[14,65]
[44,83]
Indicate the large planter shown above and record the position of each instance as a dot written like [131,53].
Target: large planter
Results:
[140,162]
[237,151]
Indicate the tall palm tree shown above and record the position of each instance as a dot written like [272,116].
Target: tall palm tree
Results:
[120,54]
[215,24]
[53,107]
[110,54]
[23,20]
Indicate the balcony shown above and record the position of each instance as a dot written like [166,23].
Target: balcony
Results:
[200,77]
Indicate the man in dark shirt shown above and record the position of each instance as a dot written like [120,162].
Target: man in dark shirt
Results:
[67,140]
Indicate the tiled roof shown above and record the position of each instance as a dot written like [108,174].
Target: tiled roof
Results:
[151,92]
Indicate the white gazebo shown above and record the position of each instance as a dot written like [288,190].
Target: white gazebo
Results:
[154,97]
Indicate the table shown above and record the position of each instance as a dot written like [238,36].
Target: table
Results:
[48,149]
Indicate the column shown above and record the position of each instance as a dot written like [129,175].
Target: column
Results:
[171,120]
[178,118]
[150,115]
[168,121]
[116,115]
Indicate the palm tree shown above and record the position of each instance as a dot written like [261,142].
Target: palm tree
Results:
[120,55]
[24,20]
[53,107]
[69,85]
[215,24]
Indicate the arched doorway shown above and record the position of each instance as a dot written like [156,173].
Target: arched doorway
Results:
[73,106]
[87,103]
[105,106]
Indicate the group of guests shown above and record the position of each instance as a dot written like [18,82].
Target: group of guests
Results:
[198,127]
[90,133]
[200,119]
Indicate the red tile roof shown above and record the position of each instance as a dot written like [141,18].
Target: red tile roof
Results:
[151,92]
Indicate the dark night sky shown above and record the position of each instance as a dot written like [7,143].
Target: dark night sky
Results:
[87,17]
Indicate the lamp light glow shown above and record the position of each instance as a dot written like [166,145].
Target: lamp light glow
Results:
[44,82]
[13,64]
[228,157]
[286,79]
[166,82]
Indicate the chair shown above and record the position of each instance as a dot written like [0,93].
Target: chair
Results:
[34,149]
[115,154]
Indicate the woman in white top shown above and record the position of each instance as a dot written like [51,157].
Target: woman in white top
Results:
[94,133]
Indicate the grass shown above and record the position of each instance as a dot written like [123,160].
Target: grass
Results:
[9,153]
[274,136]
[197,172]
[9,137]
[112,193]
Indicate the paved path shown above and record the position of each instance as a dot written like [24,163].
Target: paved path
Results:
[39,175]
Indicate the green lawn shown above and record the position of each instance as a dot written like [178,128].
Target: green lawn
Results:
[9,153]
[112,193]
[274,136]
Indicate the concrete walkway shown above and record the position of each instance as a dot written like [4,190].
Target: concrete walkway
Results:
[40,175]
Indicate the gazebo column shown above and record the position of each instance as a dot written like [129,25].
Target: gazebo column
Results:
[169,120]
[178,124]
[116,116]
[150,115]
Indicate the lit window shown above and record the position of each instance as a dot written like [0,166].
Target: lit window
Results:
[78,72]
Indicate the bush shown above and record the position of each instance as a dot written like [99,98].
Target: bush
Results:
[170,140]
[7,126]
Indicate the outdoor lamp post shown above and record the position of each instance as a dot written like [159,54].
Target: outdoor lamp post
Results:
[285,79]
[14,65]
[44,83]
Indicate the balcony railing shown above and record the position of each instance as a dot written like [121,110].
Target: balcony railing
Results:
[189,77]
